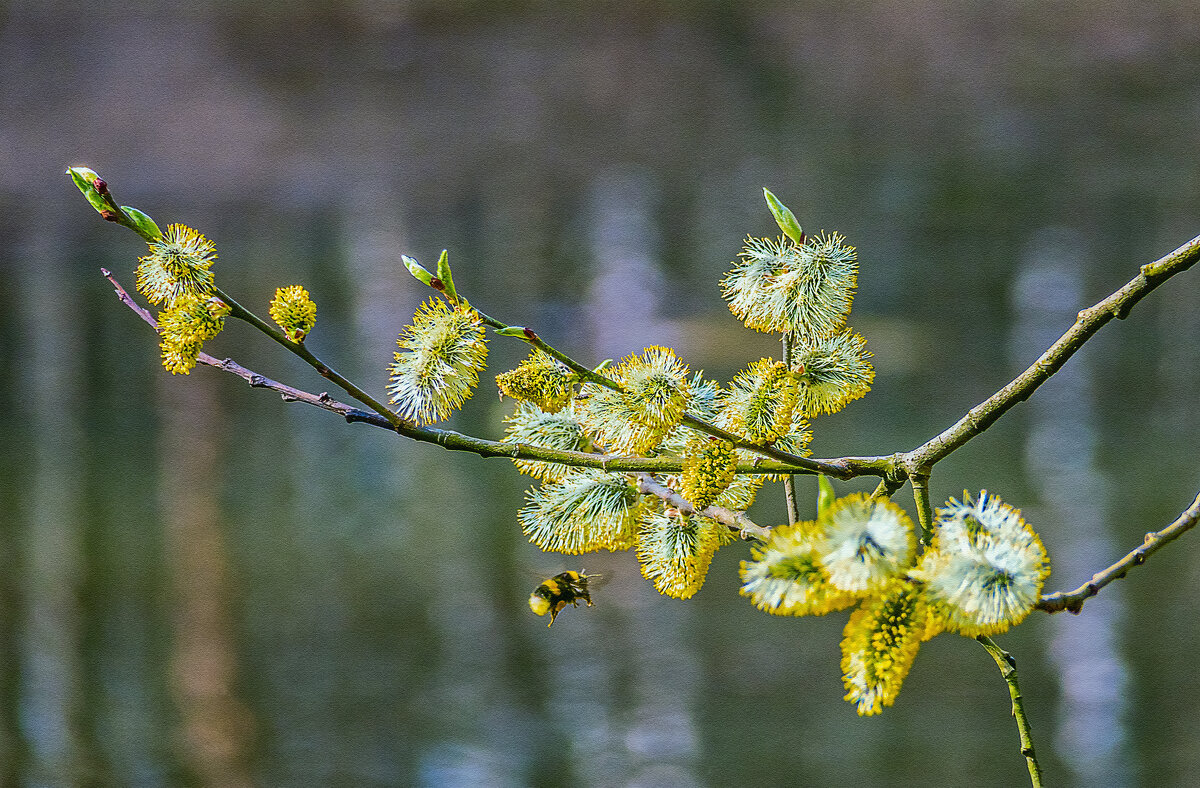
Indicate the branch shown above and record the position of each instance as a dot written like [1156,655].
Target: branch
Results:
[1089,321]
[738,521]
[1073,600]
[789,482]
[449,439]
[1008,669]
[799,464]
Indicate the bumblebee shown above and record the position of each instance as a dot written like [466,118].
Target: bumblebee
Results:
[558,592]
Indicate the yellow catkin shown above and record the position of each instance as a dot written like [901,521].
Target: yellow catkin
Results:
[294,311]
[541,381]
[708,469]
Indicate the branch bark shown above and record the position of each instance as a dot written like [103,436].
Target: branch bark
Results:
[1153,542]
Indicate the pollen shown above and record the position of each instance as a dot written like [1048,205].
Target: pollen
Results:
[179,263]
[185,326]
[986,568]
[785,576]
[865,542]
[540,380]
[675,550]
[584,512]
[880,642]
[780,286]
[761,401]
[654,397]
[442,354]
[831,372]
[294,311]
[559,430]
[709,467]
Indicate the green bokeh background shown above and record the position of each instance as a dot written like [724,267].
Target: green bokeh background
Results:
[201,585]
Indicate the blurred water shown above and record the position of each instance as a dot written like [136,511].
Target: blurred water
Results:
[200,584]
[1061,458]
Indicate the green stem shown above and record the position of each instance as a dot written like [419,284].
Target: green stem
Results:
[1008,669]
[326,371]
[920,487]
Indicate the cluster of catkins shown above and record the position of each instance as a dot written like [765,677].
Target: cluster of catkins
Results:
[982,571]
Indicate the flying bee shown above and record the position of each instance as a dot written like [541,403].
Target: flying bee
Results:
[559,591]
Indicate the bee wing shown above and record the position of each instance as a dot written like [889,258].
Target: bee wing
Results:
[597,581]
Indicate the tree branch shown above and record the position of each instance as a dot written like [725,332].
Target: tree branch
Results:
[1089,321]
[738,521]
[1154,541]
[449,439]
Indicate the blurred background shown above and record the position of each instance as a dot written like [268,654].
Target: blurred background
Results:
[202,585]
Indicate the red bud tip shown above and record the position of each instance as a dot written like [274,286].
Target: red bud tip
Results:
[529,333]
[802,237]
[436,284]
[109,216]
[100,185]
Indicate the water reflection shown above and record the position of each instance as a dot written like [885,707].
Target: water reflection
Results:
[52,719]
[339,607]
[1061,460]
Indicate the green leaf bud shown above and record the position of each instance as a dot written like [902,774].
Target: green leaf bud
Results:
[419,271]
[443,273]
[86,180]
[144,225]
[784,217]
[825,494]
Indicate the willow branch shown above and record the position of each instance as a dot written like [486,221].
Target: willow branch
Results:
[1008,669]
[1088,322]
[1154,541]
[449,439]
[799,464]
[738,521]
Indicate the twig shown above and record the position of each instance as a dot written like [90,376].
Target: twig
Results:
[1008,669]
[738,521]
[1089,321]
[799,464]
[448,439]
[789,482]
[1073,600]
[920,487]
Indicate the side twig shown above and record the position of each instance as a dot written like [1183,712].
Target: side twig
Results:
[789,482]
[920,487]
[1008,669]
[738,521]
[1154,541]
[449,439]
